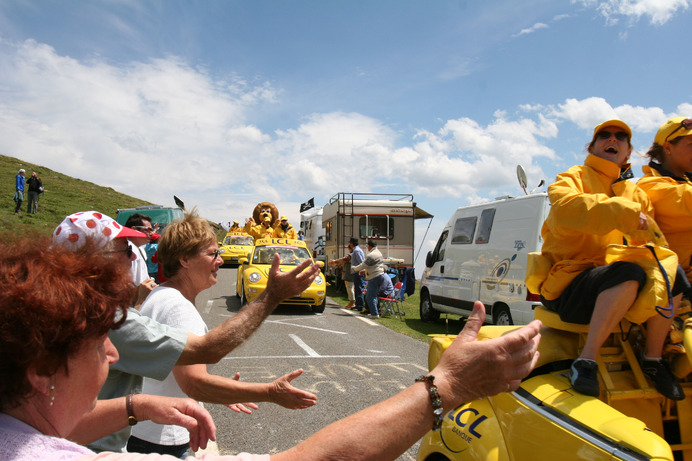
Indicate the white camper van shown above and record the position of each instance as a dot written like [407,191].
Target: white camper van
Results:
[481,255]
[311,224]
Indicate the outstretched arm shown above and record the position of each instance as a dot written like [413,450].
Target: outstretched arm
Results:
[200,385]
[216,344]
[467,370]
[110,416]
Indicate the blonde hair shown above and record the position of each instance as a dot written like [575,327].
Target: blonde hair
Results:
[181,239]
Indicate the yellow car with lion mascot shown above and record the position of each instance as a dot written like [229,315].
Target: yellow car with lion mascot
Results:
[253,274]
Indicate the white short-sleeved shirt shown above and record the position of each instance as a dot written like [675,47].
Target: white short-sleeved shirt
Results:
[168,306]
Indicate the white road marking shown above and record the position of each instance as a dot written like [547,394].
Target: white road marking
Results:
[306,326]
[358,316]
[209,304]
[310,351]
[212,449]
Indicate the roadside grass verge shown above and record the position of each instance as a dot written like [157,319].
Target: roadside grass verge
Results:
[411,325]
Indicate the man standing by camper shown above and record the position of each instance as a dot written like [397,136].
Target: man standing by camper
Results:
[357,257]
[373,265]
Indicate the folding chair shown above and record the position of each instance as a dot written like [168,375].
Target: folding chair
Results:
[392,305]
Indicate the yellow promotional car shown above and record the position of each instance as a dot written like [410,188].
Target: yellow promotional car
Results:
[236,247]
[253,274]
[545,419]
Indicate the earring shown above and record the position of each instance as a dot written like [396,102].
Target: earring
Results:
[52,394]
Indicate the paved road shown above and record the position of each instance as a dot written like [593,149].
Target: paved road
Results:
[350,363]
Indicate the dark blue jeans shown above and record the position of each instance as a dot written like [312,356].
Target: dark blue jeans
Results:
[135,445]
[358,291]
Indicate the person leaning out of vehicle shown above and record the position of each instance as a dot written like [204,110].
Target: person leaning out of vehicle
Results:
[285,229]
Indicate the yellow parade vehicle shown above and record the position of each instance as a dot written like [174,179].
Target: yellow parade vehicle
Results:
[253,273]
[546,420]
[236,247]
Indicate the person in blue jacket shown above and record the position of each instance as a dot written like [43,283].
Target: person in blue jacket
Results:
[19,190]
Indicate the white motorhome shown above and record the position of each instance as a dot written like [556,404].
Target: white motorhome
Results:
[388,219]
[481,255]
[311,224]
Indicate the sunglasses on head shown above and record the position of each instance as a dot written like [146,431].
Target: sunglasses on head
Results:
[620,135]
[127,250]
[686,124]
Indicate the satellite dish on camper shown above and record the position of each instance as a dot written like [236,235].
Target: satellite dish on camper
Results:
[521,176]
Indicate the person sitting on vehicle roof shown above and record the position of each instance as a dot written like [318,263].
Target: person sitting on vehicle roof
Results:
[235,227]
[259,231]
[593,205]
[285,229]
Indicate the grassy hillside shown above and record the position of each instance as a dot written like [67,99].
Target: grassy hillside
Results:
[63,195]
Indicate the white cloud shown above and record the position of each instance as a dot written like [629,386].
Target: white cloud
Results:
[658,11]
[532,29]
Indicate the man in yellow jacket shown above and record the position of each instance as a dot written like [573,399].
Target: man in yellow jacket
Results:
[285,229]
[594,205]
[259,231]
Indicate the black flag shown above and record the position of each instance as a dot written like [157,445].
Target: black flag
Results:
[179,202]
[307,205]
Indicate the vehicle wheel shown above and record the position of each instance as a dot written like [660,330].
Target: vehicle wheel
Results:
[319,308]
[427,312]
[243,299]
[501,316]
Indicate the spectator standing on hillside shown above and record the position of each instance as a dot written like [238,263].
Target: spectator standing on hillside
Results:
[35,186]
[19,190]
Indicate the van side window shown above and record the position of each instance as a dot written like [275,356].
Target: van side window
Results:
[376,227]
[486,225]
[439,251]
[463,230]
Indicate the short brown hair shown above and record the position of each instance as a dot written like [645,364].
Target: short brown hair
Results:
[52,301]
[183,239]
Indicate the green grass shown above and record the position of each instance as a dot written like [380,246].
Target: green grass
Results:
[411,325]
[63,196]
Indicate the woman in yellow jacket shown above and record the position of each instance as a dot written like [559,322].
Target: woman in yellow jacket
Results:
[284,229]
[594,205]
[668,183]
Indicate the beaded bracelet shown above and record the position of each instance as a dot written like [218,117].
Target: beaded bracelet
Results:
[434,399]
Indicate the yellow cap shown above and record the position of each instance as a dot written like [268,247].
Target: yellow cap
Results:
[669,129]
[284,218]
[617,123]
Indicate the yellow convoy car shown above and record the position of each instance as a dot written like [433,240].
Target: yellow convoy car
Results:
[236,247]
[253,274]
[546,420]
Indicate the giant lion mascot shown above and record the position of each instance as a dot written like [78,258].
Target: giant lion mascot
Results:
[265,217]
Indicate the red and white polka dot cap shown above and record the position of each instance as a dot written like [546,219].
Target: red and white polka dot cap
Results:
[74,229]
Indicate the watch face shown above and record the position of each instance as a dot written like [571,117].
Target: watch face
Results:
[131,420]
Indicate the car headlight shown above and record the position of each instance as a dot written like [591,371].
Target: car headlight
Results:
[254,277]
[318,280]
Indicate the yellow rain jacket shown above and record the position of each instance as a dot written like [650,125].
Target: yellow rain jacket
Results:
[672,200]
[289,233]
[258,231]
[592,207]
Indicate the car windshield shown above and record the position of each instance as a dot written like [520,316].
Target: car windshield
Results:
[238,240]
[291,256]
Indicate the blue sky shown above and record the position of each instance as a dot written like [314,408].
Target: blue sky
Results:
[229,103]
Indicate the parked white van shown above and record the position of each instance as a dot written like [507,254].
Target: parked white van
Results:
[481,255]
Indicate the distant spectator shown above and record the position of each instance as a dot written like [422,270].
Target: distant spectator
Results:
[139,270]
[373,266]
[301,235]
[35,186]
[19,190]
[152,263]
[357,257]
